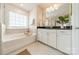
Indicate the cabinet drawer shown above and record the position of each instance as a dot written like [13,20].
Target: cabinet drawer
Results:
[64,31]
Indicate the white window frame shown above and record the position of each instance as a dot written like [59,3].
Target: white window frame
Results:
[17,16]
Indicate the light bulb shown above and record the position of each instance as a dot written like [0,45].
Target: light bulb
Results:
[21,4]
[55,6]
[47,9]
[51,8]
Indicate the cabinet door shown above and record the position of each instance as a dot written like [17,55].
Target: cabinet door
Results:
[39,35]
[64,41]
[52,38]
[75,41]
[44,36]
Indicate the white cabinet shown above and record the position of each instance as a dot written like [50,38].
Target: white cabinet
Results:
[45,36]
[39,35]
[42,35]
[64,41]
[52,38]
[75,41]
[59,39]
[75,28]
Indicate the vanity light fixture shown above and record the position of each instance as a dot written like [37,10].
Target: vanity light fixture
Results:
[50,9]
[50,12]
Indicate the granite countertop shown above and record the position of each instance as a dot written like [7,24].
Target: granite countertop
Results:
[55,27]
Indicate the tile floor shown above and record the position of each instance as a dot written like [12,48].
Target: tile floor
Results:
[38,48]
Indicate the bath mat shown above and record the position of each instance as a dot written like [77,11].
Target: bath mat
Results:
[24,52]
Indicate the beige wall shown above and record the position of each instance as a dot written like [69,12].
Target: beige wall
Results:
[0,13]
[39,16]
[0,39]
[1,27]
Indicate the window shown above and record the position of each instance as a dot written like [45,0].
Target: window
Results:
[18,20]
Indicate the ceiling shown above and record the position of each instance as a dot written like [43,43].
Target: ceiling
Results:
[30,6]
[46,5]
